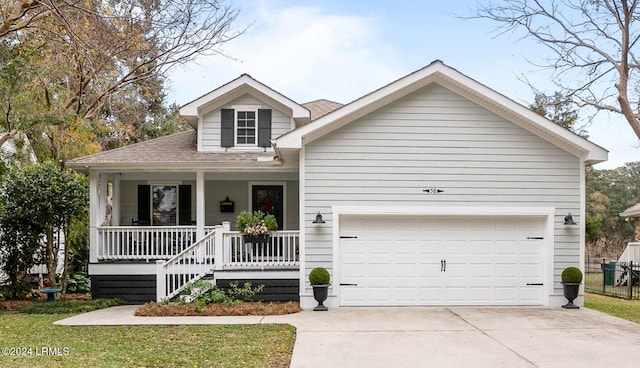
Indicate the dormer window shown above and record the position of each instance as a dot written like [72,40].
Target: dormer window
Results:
[245,126]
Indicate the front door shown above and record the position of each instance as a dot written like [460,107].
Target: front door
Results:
[270,200]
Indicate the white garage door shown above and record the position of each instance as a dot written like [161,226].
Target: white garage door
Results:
[398,260]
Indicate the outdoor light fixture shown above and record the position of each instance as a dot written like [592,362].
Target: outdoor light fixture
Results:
[319,219]
[568,220]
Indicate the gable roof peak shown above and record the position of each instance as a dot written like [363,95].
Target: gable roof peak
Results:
[467,87]
[244,84]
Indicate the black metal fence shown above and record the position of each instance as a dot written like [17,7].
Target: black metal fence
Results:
[619,279]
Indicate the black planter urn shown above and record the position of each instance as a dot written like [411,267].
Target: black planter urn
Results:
[320,294]
[571,290]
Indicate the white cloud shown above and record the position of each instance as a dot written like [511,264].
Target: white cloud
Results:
[302,52]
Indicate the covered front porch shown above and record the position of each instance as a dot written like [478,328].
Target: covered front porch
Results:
[146,216]
[183,225]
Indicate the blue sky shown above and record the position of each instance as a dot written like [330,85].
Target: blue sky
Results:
[341,50]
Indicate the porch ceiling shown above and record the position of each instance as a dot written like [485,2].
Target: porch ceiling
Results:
[177,151]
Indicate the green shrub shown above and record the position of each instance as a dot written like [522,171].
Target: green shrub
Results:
[18,290]
[215,295]
[319,276]
[78,283]
[204,292]
[572,274]
[245,293]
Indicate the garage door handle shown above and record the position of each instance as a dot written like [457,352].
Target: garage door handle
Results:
[535,284]
[348,237]
[348,284]
[535,238]
[443,265]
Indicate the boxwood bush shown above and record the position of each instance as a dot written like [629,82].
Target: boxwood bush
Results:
[319,276]
[572,275]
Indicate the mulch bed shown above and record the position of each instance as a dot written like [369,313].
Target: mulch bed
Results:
[192,309]
[177,309]
[15,305]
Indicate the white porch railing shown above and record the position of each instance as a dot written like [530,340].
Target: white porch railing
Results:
[189,265]
[222,249]
[144,242]
[280,251]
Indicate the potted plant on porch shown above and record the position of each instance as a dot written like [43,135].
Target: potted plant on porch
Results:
[571,279]
[319,279]
[256,226]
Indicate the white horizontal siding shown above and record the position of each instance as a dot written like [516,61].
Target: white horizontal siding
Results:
[434,138]
[280,123]
[238,191]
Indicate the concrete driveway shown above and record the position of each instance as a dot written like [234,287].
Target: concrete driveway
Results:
[435,337]
[463,337]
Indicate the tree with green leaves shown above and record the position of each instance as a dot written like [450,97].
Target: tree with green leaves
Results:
[38,202]
[100,66]
[610,192]
[560,109]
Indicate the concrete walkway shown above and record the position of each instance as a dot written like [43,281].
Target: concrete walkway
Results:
[433,337]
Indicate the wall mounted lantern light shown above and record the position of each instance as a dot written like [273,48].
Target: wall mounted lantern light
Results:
[319,219]
[568,220]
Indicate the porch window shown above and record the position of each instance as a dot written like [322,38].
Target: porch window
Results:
[164,205]
[245,126]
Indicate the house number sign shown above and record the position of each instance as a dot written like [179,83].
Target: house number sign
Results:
[433,190]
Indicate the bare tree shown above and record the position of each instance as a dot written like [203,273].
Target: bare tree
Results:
[593,45]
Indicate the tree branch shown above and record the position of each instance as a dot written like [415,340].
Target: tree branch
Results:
[589,38]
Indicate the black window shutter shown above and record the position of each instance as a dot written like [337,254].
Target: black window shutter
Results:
[227,134]
[184,202]
[264,128]
[144,205]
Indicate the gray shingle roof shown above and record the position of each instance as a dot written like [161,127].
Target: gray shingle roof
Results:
[175,148]
[320,108]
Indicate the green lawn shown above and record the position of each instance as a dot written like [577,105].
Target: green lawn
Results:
[142,346]
[627,309]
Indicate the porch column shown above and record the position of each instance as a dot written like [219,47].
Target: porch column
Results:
[115,201]
[200,205]
[94,209]
[102,199]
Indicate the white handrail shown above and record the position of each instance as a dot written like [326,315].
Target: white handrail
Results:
[144,242]
[189,265]
[281,250]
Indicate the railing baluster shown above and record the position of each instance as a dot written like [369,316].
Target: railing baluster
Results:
[143,242]
[279,251]
[151,243]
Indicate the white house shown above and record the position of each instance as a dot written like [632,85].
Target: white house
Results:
[433,190]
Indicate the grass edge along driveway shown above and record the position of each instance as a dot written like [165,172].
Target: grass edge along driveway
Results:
[34,341]
[622,308]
